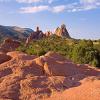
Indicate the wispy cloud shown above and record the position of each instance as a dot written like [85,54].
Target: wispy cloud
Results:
[58,9]
[34,1]
[47,5]
[89,1]
[85,5]
[82,5]
[29,1]
[33,9]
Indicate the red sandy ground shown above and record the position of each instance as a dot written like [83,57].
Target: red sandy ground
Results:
[49,77]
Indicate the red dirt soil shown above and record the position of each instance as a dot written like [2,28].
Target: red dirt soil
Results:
[48,77]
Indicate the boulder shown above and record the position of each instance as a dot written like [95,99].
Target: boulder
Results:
[53,64]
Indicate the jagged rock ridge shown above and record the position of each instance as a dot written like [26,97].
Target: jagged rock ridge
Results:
[38,34]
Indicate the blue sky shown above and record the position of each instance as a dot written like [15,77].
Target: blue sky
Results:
[82,17]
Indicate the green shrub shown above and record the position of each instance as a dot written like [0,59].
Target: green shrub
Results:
[95,63]
[80,51]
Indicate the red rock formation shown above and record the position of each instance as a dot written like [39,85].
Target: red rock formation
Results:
[49,77]
[9,45]
[48,34]
[38,34]
[4,58]
[62,31]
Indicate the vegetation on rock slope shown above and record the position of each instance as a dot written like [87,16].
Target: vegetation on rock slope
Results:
[79,51]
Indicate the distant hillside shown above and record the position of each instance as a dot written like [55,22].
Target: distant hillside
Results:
[14,32]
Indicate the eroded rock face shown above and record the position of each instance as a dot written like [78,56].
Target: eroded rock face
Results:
[62,32]
[38,34]
[48,34]
[4,58]
[56,65]
[9,45]
[47,77]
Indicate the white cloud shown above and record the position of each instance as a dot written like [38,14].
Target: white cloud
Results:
[46,5]
[33,9]
[90,4]
[29,1]
[88,1]
[82,5]
[98,3]
[95,3]
[34,1]
[58,9]
[85,5]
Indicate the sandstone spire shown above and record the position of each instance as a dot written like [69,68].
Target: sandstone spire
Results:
[38,34]
[62,31]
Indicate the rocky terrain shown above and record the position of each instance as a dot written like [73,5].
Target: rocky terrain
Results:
[48,77]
